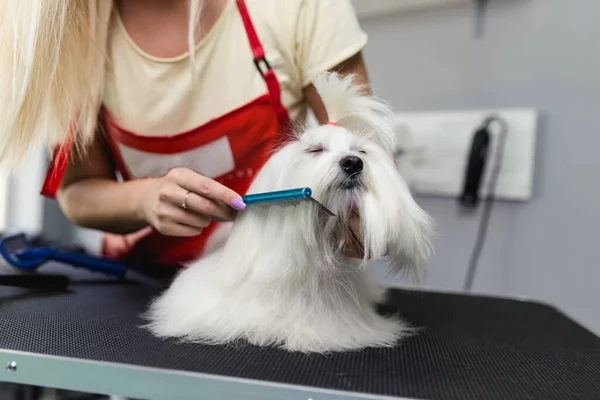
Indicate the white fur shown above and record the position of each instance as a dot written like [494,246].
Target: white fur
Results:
[281,277]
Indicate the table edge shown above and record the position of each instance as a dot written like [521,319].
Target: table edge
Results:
[134,381]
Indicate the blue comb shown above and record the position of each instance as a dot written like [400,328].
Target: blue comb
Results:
[285,199]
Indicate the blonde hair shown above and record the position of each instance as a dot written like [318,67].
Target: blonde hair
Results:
[53,57]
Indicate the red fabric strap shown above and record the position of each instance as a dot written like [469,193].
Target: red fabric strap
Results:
[58,165]
[275,96]
[257,48]
[269,76]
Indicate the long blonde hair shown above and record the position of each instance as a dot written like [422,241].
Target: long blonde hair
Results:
[53,57]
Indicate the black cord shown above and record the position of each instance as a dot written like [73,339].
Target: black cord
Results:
[488,201]
[480,10]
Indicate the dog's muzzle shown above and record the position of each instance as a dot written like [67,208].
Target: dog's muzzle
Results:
[352,168]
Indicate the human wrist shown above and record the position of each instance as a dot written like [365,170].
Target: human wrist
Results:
[141,195]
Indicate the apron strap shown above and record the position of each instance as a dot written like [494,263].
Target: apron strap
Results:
[58,165]
[257,49]
[268,75]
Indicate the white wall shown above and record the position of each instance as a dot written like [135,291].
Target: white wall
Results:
[25,204]
[543,54]
[3,200]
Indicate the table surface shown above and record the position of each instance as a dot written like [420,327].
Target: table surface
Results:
[470,347]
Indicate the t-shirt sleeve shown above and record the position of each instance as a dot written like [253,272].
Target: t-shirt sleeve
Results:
[327,33]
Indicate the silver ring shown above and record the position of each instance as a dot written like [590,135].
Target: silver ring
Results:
[184,204]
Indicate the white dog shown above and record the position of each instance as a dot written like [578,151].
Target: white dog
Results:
[281,278]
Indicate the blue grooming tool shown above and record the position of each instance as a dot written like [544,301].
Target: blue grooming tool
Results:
[18,252]
[285,199]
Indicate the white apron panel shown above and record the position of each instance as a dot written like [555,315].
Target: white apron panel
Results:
[211,160]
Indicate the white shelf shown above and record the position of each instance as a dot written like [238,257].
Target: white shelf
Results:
[437,145]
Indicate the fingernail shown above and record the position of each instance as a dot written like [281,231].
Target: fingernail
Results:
[238,204]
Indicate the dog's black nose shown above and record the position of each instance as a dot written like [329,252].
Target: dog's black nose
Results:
[351,165]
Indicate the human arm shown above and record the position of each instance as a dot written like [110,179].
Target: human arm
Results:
[90,196]
[327,37]
[354,65]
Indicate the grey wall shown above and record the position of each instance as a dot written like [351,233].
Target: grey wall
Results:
[534,53]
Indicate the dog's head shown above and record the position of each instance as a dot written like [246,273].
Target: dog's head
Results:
[350,168]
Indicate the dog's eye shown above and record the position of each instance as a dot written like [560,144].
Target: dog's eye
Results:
[358,150]
[315,149]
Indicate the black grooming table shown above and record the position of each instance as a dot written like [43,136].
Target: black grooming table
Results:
[470,347]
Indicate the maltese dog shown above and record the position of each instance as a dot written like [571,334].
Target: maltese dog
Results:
[283,277]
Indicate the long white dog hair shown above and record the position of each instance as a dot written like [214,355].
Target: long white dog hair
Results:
[282,277]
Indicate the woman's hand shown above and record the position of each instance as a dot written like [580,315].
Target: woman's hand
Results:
[183,202]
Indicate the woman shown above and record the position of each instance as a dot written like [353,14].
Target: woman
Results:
[192,99]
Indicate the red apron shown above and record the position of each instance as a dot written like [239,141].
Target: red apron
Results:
[249,133]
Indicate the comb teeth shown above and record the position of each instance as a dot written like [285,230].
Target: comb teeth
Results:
[285,199]
[322,208]
[287,203]
[290,203]
[326,211]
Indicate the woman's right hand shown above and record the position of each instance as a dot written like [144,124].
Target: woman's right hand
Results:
[165,197]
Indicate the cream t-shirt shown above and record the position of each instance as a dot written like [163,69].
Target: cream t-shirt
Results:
[155,96]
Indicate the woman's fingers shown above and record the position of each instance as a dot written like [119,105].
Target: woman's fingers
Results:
[206,187]
[174,229]
[206,206]
[187,202]
[175,195]
[170,213]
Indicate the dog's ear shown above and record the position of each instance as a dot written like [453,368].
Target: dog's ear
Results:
[351,106]
[396,229]
[394,226]
[411,254]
